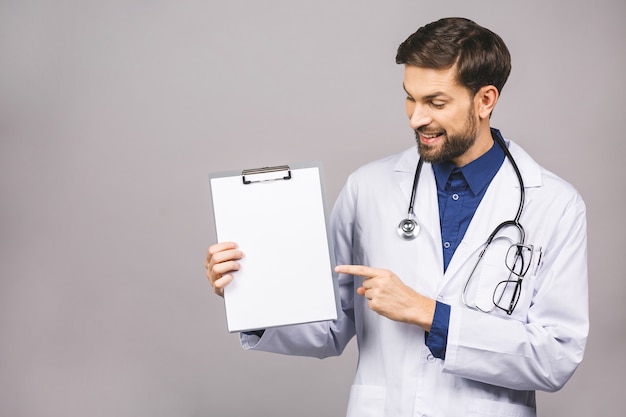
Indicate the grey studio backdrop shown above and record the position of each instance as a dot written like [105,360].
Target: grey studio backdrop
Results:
[112,114]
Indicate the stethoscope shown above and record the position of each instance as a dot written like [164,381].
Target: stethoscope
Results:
[409,228]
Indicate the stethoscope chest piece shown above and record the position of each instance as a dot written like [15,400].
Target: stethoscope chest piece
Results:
[408,229]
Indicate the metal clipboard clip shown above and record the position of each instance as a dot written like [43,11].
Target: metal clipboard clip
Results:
[280,172]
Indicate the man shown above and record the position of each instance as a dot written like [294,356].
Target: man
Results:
[488,302]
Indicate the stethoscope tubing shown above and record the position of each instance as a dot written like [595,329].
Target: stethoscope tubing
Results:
[522,195]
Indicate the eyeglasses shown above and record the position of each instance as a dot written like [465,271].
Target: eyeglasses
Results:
[506,293]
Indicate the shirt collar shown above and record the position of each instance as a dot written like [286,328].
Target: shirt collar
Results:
[477,173]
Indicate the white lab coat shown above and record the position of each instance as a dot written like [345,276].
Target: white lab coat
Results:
[494,362]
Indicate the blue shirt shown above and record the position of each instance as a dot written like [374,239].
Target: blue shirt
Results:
[459,192]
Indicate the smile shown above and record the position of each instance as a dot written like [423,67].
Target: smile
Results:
[431,137]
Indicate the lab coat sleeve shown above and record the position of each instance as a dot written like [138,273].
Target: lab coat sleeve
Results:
[543,352]
[327,338]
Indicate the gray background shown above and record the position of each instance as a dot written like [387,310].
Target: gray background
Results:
[112,113]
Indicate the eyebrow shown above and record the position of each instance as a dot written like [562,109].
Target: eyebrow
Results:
[429,96]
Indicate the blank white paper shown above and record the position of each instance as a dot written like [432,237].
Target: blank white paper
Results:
[286,275]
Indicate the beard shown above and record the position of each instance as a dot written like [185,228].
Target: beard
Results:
[453,145]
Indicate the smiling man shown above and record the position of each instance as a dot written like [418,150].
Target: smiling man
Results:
[487,302]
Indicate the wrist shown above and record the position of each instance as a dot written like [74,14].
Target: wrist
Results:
[423,313]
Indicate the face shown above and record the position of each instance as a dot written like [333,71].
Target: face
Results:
[441,112]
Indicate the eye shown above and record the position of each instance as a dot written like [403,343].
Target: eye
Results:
[411,99]
[437,104]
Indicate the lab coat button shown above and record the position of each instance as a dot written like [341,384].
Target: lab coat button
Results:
[430,358]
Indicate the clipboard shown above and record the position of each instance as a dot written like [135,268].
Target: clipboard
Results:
[277,216]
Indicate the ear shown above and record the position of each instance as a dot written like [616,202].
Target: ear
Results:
[485,100]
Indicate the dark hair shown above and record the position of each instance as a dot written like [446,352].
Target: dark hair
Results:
[480,55]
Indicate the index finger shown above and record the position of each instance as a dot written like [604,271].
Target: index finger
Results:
[219,247]
[359,270]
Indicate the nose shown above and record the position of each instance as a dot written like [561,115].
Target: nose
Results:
[418,115]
